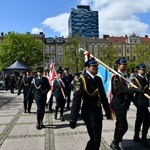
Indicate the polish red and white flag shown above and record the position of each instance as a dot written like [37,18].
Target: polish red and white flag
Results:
[51,77]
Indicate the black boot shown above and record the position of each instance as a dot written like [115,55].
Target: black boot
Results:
[25,106]
[29,107]
[62,118]
[56,111]
[61,115]
[144,140]
[115,146]
[42,125]
[38,126]
[136,138]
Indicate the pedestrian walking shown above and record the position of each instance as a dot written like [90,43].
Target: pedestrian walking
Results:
[25,84]
[39,87]
[89,91]
[142,104]
[68,79]
[122,96]
[60,93]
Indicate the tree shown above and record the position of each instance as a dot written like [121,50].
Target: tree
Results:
[108,55]
[74,59]
[142,54]
[21,47]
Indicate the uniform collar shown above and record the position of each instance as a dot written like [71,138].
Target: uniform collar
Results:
[122,73]
[140,75]
[92,76]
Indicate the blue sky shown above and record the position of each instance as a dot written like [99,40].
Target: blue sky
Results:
[116,17]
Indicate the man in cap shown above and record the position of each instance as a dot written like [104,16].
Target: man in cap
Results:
[142,104]
[122,96]
[68,78]
[25,84]
[39,86]
[89,88]
[60,93]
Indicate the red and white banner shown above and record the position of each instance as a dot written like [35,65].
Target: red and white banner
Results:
[51,77]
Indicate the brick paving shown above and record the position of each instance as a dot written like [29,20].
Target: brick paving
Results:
[18,132]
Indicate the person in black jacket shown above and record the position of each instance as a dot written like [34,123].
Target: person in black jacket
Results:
[25,84]
[68,79]
[89,90]
[60,93]
[39,87]
[122,96]
[142,104]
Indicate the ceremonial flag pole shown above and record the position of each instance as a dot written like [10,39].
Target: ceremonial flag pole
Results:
[115,72]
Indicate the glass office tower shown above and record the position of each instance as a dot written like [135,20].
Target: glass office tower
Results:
[83,22]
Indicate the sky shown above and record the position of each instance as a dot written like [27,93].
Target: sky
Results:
[116,17]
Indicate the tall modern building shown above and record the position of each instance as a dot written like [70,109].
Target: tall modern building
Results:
[83,22]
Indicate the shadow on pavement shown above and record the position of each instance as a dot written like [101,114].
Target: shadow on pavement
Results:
[131,145]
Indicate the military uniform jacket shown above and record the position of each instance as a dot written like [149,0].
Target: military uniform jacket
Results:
[39,87]
[91,108]
[24,84]
[122,95]
[68,79]
[57,88]
[140,99]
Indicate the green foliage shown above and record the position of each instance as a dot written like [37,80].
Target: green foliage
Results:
[21,47]
[74,59]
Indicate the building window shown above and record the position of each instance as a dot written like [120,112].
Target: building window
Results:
[133,58]
[95,50]
[60,59]
[52,59]
[127,49]
[52,49]
[60,50]
[90,48]
[115,49]
[119,49]
[128,58]
[47,49]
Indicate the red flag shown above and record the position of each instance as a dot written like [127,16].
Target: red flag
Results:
[52,74]
[51,77]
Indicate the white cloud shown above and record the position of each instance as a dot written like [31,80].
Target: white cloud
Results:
[36,30]
[116,17]
[58,23]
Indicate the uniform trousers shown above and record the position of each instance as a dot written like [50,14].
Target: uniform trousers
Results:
[94,129]
[41,103]
[142,116]
[121,125]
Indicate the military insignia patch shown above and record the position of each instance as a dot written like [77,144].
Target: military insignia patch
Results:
[77,88]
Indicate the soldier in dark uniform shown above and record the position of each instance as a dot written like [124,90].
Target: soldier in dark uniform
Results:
[12,82]
[60,93]
[25,84]
[122,96]
[89,88]
[142,104]
[68,79]
[39,86]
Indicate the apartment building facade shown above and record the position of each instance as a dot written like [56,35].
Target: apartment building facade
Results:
[83,22]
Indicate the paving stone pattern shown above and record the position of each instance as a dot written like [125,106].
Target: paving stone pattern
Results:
[18,132]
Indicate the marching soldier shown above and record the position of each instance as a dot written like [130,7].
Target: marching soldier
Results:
[25,84]
[39,87]
[59,93]
[142,104]
[68,79]
[89,88]
[122,96]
